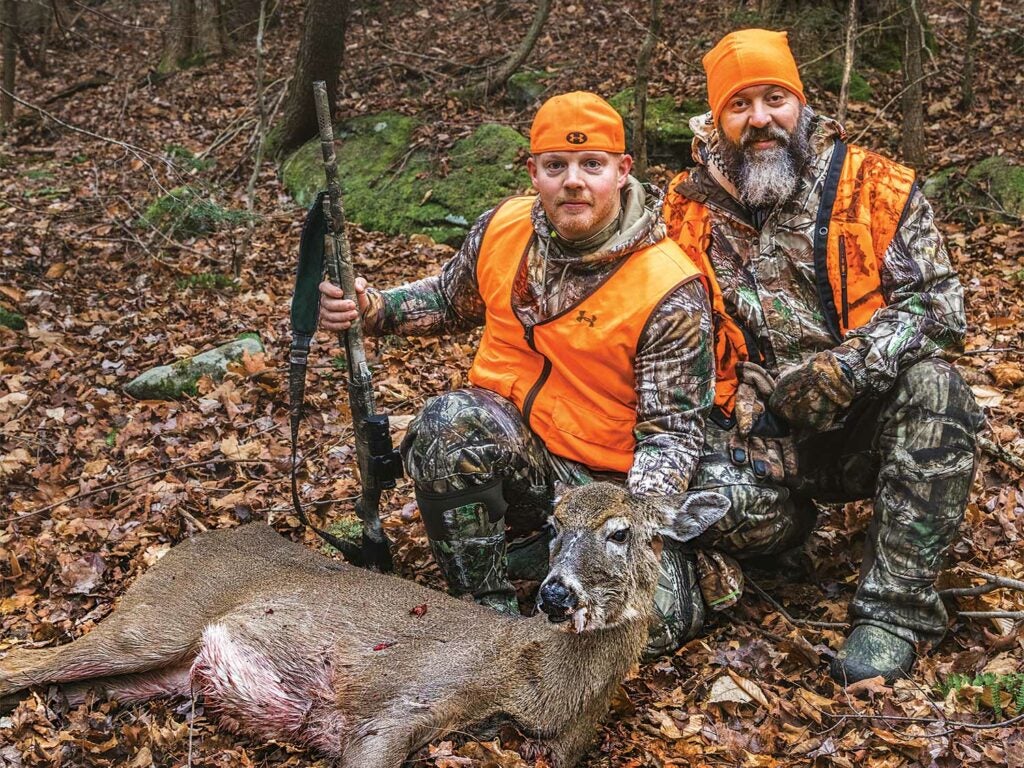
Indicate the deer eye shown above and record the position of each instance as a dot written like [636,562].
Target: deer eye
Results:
[620,536]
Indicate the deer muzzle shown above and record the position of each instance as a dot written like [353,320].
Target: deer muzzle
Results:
[557,601]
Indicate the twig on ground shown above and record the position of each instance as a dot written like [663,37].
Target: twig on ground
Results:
[123,483]
[193,520]
[925,721]
[998,452]
[991,350]
[992,582]
[785,614]
[92,82]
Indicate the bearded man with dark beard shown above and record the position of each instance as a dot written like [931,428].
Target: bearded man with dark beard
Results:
[834,300]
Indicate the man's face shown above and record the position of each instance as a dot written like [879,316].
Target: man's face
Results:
[579,190]
[764,132]
[759,111]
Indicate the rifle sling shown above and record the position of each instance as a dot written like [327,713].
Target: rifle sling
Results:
[304,312]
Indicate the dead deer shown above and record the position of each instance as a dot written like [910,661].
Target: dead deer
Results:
[285,643]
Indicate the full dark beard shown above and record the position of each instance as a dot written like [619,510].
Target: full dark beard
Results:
[767,177]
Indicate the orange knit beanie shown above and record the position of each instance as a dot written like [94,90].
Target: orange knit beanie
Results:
[749,57]
[576,122]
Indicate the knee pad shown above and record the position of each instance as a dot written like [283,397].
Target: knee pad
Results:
[433,505]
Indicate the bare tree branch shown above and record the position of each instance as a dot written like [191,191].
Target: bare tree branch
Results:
[497,80]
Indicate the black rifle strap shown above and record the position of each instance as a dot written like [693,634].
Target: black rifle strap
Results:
[305,309]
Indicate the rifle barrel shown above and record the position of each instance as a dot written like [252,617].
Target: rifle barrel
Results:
[338,255]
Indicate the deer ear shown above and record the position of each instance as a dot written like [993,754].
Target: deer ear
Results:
[560,489]
[698,512]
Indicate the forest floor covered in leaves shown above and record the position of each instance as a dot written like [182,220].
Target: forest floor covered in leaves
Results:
[95,487]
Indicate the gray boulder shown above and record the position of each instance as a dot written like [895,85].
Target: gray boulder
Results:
[180,379]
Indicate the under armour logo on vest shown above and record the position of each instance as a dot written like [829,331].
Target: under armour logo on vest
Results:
[576,137]
[583,317]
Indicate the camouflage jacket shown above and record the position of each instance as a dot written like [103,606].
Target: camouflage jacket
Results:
[673,367]
[767,275]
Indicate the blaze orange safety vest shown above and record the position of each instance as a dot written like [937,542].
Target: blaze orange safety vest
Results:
[862,204]
[571,375]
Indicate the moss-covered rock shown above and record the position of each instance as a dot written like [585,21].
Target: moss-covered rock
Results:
[170,382]
[1003,180]
[668,127]
[11,320]
[184,212]
[389,188]
[524,89]
[989,188]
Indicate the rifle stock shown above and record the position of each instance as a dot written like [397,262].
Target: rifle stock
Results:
[378,462]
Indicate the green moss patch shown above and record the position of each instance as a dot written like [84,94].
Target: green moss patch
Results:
[524,89]
[205,281]
[991,189]
[11,320]
[668,126]
[1003,180]
[184,157]
[389,188]
[348,528]
[184,212]
[831,79]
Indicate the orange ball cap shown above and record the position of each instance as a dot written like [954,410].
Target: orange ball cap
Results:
[577,122]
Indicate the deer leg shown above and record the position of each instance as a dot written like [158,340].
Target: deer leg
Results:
[126,689]
[386,746]
[108,651]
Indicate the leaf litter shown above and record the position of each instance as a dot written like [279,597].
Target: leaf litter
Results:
[95,487]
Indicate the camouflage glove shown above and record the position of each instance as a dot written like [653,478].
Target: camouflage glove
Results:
[755,387]
[813,394]
[760,438]
[771,458]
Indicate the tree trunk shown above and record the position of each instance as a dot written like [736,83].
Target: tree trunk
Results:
[320,55]
[182,42]
[261,141]
[967,83]
[643,65]
[10,58]
[913,84]
[220,23]
[497,80]
[242,17]
[851,42]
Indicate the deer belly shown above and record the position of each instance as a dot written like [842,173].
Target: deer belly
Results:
[266,691]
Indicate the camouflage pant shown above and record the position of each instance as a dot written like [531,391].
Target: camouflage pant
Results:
[911,450]
[472,457]
[473,436]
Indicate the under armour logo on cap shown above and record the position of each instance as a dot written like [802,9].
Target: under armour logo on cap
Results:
[576,137]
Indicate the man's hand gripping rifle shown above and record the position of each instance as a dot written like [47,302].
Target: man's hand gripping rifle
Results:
[379,463]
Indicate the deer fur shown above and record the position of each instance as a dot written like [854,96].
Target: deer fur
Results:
[286,643]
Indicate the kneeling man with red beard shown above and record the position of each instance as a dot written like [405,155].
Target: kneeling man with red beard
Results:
[595,363]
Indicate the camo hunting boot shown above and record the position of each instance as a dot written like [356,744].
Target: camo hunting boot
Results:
[678,604]
[870,651]
[466,531]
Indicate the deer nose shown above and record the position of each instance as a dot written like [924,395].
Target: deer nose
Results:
[557,601]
